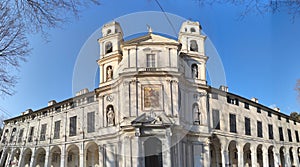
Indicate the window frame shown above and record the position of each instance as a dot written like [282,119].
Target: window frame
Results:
[247,126]
[91,122]
[232,123]
[73,129]
[150,60]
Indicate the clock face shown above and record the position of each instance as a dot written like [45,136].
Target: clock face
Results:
[109,98]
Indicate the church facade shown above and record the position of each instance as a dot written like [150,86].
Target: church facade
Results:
[153,107]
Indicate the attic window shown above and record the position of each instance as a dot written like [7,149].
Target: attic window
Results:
[108,31]
[193,30]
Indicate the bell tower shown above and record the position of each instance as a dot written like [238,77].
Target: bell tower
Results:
[110,50]
[193,50]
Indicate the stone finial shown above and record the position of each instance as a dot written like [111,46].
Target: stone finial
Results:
[149,29]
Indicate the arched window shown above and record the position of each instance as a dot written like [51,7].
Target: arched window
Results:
[13,135]
[110,115]
[196,114]
[193,46]
[108,47]
[108,31]
[194,69]
[193,29]
[185,29]
[109,73]
[5,136]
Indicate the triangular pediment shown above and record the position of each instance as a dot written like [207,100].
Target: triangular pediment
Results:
[150,38]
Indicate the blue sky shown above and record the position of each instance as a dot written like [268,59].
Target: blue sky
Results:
[259,53]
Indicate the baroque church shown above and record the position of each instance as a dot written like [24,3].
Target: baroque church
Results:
[152,108]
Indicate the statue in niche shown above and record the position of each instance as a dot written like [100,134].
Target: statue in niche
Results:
[109,73]
[196,114]
[110,116]
[194,71]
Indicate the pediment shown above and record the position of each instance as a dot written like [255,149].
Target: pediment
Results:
[159,119]
[150,38]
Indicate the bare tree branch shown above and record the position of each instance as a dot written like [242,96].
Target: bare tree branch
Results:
[291,7]
[21,17]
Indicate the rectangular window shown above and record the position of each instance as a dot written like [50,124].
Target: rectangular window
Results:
[20,135]
[258,110]
[259,129]
[290,135]
[287,120]
[236,102]
[247,105]
[270,127]
[232,120]
[279,117]
[269,114]
[90,99]
[297,136]
[150,60]
[73,126]
[247,126]
[232,101]
[30,137]
[56,129]
[43,132]
[216,119]
[91,122]
[280,134]
[214,96]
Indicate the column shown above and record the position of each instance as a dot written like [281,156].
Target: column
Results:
[206,154]
[32,161]
[240,155]
[265,157]
[296,160]
[126,153]
[101,153]
[63,156]
[197,158]
[20,157]
[167,162]
[135,151]
[225,157]
[2,157]
[287,157]
[253,156]
[9,156]
[47,157]
[81,155]
[276,155]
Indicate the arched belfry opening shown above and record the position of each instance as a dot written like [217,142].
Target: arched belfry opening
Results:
[193,29]
[108,47]
[193,46]
[153,152]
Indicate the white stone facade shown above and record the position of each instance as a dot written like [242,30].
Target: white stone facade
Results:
[153,107]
